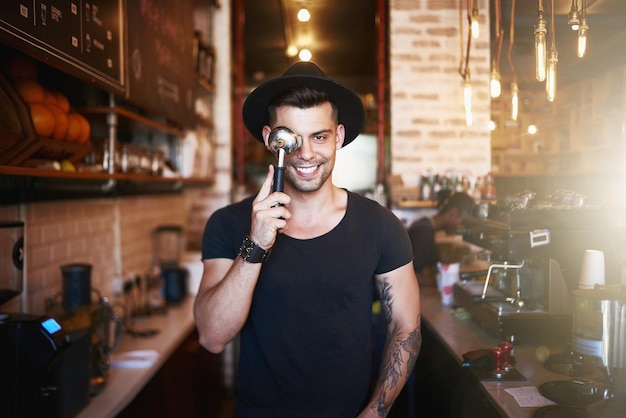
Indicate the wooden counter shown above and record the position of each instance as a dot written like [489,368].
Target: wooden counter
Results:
[461,336]
[125,383]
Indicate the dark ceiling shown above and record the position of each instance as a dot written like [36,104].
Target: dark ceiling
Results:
[342,37]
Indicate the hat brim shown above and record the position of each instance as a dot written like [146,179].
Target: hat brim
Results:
[351,111]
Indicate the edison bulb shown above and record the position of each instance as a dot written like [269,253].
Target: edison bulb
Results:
[304,15]
[305,55]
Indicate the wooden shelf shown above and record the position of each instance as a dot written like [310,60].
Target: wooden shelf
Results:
[134,116]
[415,204]
[86,175]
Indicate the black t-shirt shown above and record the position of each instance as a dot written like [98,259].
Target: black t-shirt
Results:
[305,348]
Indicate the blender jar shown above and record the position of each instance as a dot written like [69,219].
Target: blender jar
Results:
[168,246]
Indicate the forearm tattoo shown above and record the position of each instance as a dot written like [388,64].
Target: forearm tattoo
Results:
[400,350]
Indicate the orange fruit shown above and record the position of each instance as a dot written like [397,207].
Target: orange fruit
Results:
[73,131]
[62,122]
[85,128]
[43,119]
[22,67]
[48,97]
[30,90]
[62,101]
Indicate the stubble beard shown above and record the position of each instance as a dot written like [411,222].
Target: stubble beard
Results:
[313,184]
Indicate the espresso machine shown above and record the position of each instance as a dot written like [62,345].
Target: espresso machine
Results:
[43,370]
[535,252]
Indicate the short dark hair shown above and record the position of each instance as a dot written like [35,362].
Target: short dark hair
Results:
[303,98]
[463,202]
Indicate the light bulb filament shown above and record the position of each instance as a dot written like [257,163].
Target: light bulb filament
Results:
[540,48]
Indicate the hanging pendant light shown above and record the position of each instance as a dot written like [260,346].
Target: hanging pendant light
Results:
[573,20]
[464,70]
[304,15]
[514,87]
[467,92]
[467,98]
[552,60]
[305,54]
[540,44]
[582,31]
[495,87]
[475,26]
[514,101]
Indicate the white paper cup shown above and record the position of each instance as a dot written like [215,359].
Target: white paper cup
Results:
[448,274]
[591,270]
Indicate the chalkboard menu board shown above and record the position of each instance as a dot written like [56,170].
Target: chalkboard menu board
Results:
[161,72]
[85,38]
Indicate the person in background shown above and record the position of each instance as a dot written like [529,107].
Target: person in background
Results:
[295,273]
[449,219]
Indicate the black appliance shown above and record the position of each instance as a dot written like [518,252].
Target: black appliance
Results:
[43,369]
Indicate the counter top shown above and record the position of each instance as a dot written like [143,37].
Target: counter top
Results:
[125,383]
[461,336]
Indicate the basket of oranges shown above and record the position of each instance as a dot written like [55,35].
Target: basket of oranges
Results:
[50,128]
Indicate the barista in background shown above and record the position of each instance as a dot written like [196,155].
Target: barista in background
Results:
[449,218]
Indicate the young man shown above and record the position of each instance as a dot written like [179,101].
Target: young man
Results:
[295,272]
[422,233]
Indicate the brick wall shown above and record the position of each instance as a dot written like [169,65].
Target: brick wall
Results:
[428,129]
[113,235]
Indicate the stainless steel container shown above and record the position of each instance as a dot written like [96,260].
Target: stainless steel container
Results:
[599,325]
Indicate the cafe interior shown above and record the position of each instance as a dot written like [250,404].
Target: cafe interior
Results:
[121,133]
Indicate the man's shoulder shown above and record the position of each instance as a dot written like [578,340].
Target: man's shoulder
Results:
[365,203]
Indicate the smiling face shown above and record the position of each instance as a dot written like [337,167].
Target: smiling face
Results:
[309,167]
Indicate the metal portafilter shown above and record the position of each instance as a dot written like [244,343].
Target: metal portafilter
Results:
[282,141]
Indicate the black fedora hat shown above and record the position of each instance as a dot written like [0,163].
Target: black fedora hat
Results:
[306,74]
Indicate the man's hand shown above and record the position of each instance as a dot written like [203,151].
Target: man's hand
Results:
[268,217]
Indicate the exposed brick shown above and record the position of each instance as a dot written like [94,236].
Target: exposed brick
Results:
[425,18]
[406,4]
[427,94]
[445,31]
[443,4]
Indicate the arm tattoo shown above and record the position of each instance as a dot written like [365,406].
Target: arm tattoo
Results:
[390,378]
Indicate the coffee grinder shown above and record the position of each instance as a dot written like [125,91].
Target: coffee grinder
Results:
[43,372]
[81,309]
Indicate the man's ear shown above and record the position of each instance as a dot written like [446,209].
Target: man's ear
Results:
[266,134]
[341,135]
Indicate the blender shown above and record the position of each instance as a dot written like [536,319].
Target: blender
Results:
[168,246]
[44,370]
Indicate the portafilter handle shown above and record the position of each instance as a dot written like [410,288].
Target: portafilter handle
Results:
[282,141]
[503,266]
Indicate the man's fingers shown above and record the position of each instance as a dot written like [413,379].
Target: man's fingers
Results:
[266,187]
